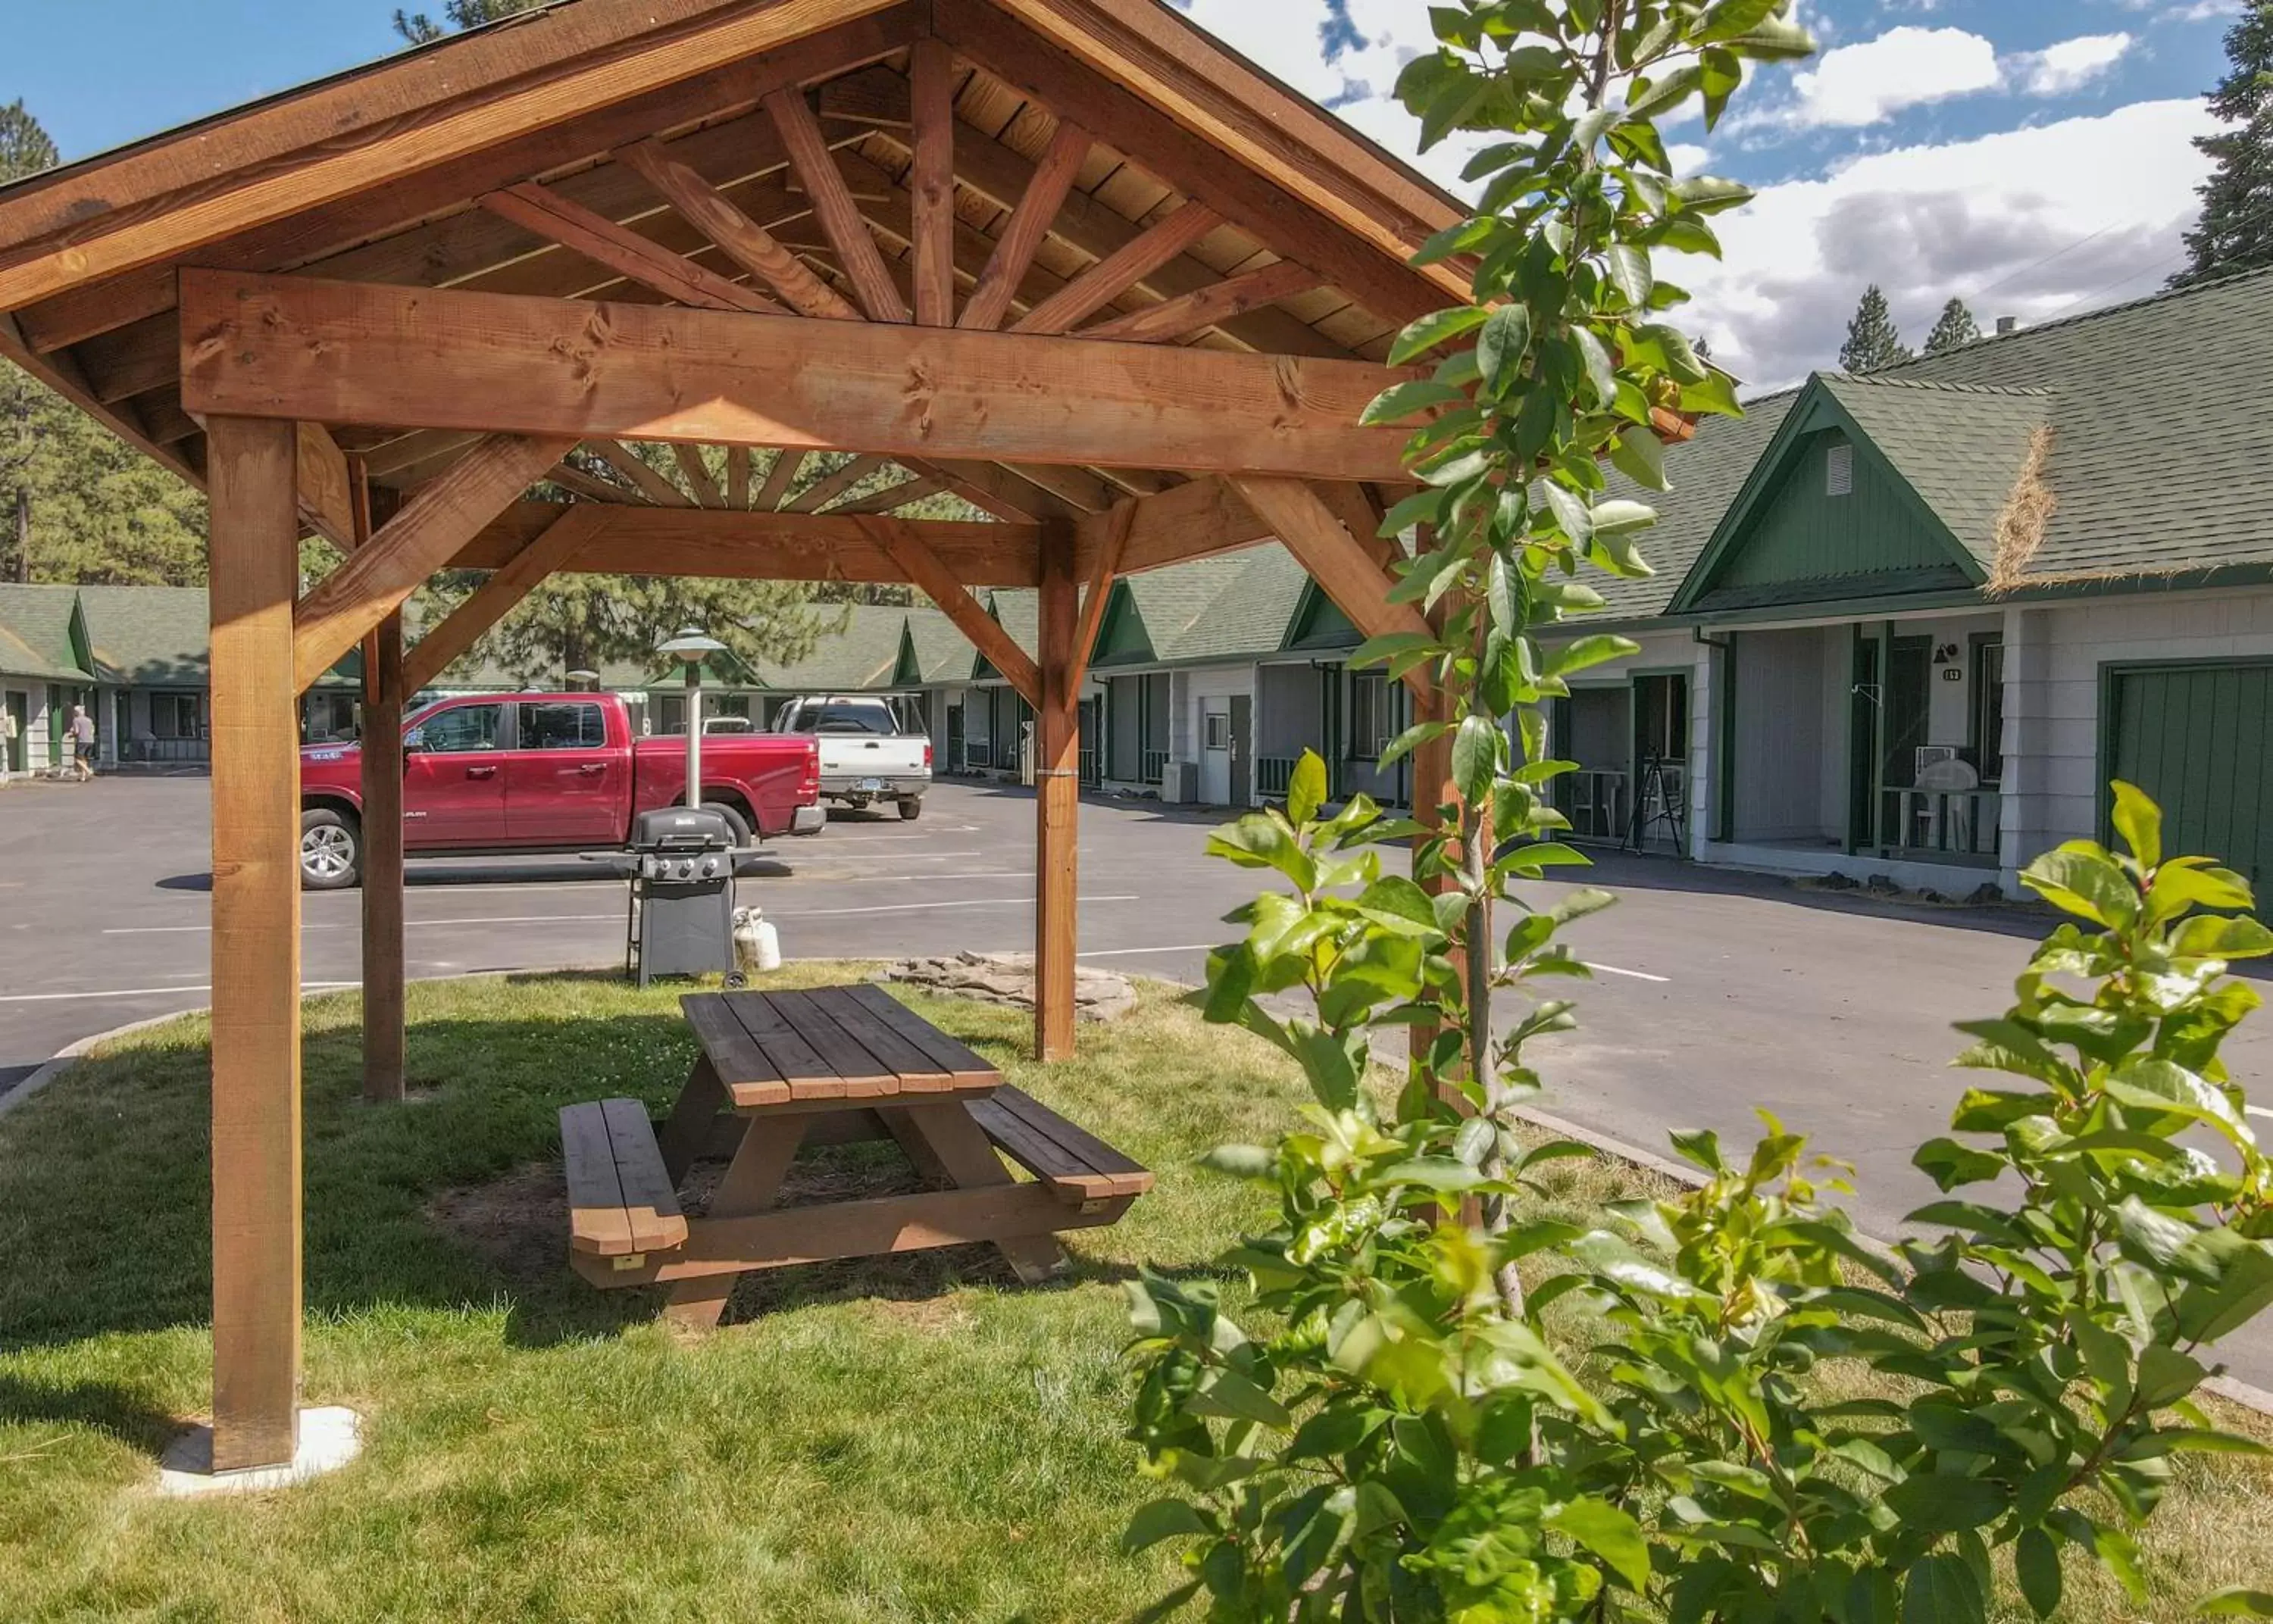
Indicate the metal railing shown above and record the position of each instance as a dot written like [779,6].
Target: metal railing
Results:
[1088,765]
[1595,803]
[1960,826]
[165,749]
[1156,766]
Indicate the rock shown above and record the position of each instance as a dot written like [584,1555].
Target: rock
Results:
[1839,882]
[1932,899]
[1008,978]
[1882,885]
[1989,895]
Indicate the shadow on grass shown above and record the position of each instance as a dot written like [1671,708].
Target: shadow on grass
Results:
[454,1199]
[124,1415]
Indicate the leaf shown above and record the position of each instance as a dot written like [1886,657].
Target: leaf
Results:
[1437,328]
[1640,456]
[1610,1533]
[1227,1393]
[2036,1560]
[1630,274]
[1501,347]
[1675,89]
[1162,1519]
[2167,1375]
[1570,512]
[2236,1601]
[1618,516]
[1241,1161]
[1940,1589]
[1475,756]
[1399,401]
[2140,822]
[1306,790]
[2086,884]
[1946,1505]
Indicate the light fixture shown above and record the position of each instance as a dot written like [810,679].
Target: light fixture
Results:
[691,648]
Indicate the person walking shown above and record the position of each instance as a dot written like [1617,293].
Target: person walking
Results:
[82,732]
[7,744]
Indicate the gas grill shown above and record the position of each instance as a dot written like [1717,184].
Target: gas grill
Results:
[682,893]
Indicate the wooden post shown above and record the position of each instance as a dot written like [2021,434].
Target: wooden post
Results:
[256,944]
[1057,799]
[383,968]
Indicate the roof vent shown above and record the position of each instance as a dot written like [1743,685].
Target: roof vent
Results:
[1838,471]
[2007,325]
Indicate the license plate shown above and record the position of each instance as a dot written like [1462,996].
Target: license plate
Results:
[871,786]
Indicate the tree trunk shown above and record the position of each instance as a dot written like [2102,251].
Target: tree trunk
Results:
[23,534]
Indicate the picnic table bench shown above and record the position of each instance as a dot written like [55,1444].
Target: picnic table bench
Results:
[783,1072]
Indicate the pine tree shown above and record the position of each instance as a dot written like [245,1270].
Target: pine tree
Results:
[1954,331]
[24,148]
[2235,232]
[1872,339]
[419,28]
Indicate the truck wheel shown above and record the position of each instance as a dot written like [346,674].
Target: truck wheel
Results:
[910,808]
[331,850]
[734,821]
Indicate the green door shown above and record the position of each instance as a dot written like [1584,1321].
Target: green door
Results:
[2199,738]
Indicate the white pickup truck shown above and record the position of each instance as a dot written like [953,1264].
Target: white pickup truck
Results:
[866,756]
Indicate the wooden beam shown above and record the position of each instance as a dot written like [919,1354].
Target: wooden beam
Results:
[623,250]
[327,163]
[724,544]
[1078,488]
[1110,277]
[327,495]
[931,182]
[819,496]
[1057,802]
[391,217]
[920,565]
[256,945]
[380,826]
[1375,272]
[1345,571]
[1029,224]
[994,488]
[832,202]
[356,354]
[737,477]
[778,480]
[571,478]
[653,483]
[1209,307]
[1104,570]
[439,521]
[741,238]
[897,497]
[697,473]
[1195,521]
[496,597]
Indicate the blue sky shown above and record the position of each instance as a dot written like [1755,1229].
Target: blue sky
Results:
[2032,157]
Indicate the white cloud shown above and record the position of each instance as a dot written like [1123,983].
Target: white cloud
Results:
[2069,65]
[1686,158]
[2099,200]
[1864,84]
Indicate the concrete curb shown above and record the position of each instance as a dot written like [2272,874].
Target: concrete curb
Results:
[2242,1393]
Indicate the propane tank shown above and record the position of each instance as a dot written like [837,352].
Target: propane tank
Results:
[757,945]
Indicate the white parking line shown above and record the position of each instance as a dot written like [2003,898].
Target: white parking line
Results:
[2259,1111]
[1130,953]
[911,907]
[1638,975]
[59,998]
[176,930]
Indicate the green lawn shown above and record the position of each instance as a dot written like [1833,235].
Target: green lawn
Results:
[915,1439]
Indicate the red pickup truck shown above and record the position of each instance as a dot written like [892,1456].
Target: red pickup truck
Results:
[545,772]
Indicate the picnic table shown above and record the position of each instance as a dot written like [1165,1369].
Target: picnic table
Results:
[783,1072]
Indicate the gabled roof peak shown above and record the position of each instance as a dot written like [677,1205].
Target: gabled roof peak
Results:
[1879,380]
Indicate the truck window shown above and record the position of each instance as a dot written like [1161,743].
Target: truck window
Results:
[847,719]
[563,725]
[467,727]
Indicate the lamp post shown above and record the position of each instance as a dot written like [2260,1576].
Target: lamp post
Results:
[691,648]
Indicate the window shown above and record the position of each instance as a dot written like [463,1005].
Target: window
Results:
[567,726]
[465,730]
[872,717]
[1989,710]
[329,718]
[1216,729]
[1838,471]
[1371,725]
[176,715]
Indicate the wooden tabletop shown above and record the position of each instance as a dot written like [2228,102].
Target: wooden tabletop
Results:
[845,1046]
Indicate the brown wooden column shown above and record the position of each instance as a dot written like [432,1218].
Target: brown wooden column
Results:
[1057,797]
[256,944]
[383,968]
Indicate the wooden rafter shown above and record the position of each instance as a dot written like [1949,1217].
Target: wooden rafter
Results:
[728,545]
[828,488]
[738,237]
[923,566]
[1030,223]
[422,538]
[351,352]
[570,477]
[652,482]
[1112,277]
[737,476]
[696,472]
[1208,307]
[778,480]
[495,598]
[931,182]
[1104,569]
[1195,521]
[898,497]
[1345,572]
[1077,487]
[993,489]
[832,202]
[601,240]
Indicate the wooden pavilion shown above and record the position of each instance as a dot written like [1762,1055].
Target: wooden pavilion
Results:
[1070,258]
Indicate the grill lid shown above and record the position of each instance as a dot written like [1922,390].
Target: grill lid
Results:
[681,828]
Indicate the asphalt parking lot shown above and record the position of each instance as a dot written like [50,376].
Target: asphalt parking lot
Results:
[1715,994]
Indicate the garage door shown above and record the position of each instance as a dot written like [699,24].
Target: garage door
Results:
[2199,738]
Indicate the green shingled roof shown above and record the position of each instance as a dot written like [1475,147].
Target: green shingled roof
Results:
[2161,452]
[1962,447]
[35,639]
[148,637]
